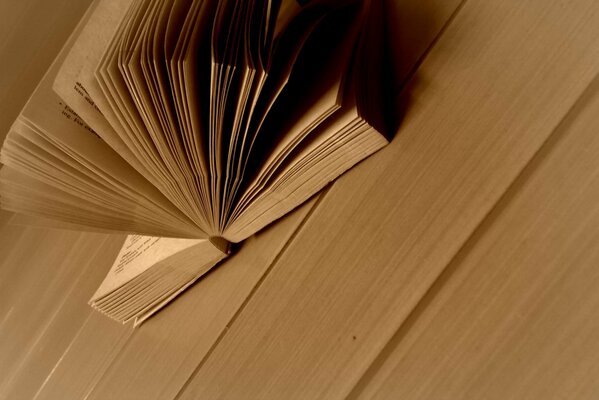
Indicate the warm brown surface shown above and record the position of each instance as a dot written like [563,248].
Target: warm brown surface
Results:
[458,263]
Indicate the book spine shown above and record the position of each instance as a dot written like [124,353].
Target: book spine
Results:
[221,243]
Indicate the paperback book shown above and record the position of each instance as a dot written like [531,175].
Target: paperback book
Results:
[191,125]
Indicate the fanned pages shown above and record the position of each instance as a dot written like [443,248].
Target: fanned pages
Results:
[191,124]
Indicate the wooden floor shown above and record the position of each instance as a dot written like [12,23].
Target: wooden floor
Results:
[460,262]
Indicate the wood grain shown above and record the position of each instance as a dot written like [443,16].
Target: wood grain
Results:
[88,356]
[36,290]
[489,94]
[515,314]
[42,355]
[31,34]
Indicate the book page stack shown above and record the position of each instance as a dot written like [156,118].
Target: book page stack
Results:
[192,124]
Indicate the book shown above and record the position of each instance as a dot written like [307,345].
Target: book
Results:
[192,125]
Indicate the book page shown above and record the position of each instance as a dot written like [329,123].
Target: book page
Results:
[52,140]
[80,63]
[117,87]
[137,255]
[314,94]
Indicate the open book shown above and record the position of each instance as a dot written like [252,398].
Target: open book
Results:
[192,124]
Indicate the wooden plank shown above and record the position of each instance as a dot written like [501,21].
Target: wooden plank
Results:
[29,251]
[488,95]
[44,353]
[10,236]
[31,34]
[515,314]
[5,217]
[47,270]
[411,29]
[88,356]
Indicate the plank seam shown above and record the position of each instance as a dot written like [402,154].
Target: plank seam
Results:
[557,133]
[257,286]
